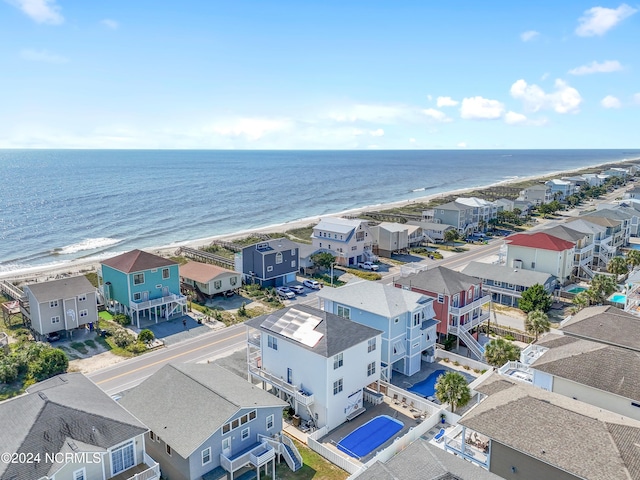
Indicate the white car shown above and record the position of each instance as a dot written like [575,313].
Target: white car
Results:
[297,289]
[369,266]
[312,284]
[285,293]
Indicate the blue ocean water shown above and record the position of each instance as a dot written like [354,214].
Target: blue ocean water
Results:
[59,205]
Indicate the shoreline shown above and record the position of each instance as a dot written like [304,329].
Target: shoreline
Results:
[88,264]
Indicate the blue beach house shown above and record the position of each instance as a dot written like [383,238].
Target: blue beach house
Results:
[272,263]
[406,319]
[142,285]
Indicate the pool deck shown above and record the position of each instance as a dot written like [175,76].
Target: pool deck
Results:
[402,381]
[331,439]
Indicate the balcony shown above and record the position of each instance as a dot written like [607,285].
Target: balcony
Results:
[303,397]
[517,371]
[148,470]
[469,324]
[469,445]
[158,302]
[459,311]
[257,455]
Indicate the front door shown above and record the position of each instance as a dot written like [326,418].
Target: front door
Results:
[165,291]
[226,447]
[289,376]
[145,296]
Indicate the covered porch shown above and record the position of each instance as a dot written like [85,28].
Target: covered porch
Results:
[257,456]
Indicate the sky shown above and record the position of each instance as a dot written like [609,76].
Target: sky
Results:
[319,74]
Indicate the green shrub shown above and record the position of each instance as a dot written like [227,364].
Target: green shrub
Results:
[456,363]
[22,334]
[52,361]
[8,370]
[137,347]
[122,338]
[122,319]
[146,336]
[242,311]
[511,338]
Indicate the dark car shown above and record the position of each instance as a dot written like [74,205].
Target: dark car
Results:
[53,337]
[229,293]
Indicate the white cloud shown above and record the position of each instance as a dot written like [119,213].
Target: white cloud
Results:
[42,56]
[564,99]
[109,23]
[412,140]
[610,102]
[462,145]
[636,98]
[513,118]
[598,20]
[436,115]
[371,113]
[480,108]
[446,102]
[249,128]
[40,11]
[528,35]
[594,67]
[377,133]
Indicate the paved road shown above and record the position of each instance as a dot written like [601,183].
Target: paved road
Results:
[128,374]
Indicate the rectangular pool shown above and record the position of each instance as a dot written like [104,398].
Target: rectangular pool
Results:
[577,290]
[618,298]
[366,438]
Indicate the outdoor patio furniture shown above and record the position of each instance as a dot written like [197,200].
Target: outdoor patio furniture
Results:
[439,435]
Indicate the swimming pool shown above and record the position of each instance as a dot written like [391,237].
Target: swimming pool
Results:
[576,290]
[427,387]
[366,438]
[618,298]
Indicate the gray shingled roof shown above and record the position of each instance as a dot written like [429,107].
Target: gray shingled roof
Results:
[137,261]
[586,226]
[423,461]
[565,233]
[613,214]
[607,368]
[338,333]
[384,300]
[438,280]
[61,289]
[581,439]
[56,414]
[201,398]
[605,324]
[502,273]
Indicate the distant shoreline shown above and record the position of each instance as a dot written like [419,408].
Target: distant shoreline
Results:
[84,265]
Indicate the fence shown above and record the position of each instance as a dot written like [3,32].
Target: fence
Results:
[454,357]
[334,457]
[517,335]
[416,401]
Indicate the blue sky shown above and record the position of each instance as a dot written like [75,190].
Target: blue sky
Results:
[319,74]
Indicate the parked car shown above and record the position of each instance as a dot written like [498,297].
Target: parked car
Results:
[229,293]
[369,266]
[285,293]
[314,285]
[53,337]
[296,289]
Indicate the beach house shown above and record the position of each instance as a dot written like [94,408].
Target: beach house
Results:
[505,284]
[66,427]
[207,279]
[432,231]
[319,362]
[406,319]
[350,239]
[536,194]
[583,250]
[602,250]
[390,238]
[60,305]
[561,189]
[270,263]
[460,304]
[521,431]
[458,215]
[541,252]
[484,211]
[217,423]
[142,285]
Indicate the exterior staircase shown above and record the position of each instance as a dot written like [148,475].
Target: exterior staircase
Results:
[295,463]
[471,343]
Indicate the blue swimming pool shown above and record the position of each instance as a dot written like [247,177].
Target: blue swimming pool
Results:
[577,290]
[618,298]
[427,387]
[366,438]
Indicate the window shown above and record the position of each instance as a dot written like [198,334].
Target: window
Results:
[137,296]
[138,278]
[206,456]
[278,258]
[79,474]
[440,298]
[398,348]
[165,273]
[293,263]
[233,280]
[415,345]
[272,342]
[55,319]
[338,361]
[235,423]
[152,436]
[337,387]
[245,433]
[252,415]
[320,244]
[53,303]
[354,248]
[371,369]
[293,251]
[456,300]
[533,264]
[226,444]
[84,313]
[396,320]
[416,319]
[159,285]
[154,270]
[371,345]
[270,268]
[168,449]
[82,298]
[269,422]
[122,458]
[344,312]
[497,283]
[226,428]
[217,284]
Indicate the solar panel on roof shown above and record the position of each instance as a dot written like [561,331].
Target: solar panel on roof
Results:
[296,325]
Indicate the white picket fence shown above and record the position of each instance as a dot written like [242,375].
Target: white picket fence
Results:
[416,401]
[454,357]
[344,463]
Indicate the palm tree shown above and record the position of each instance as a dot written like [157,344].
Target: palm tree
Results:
[580,301]
[500,351]
[451,235]
[601,287]
[452,388]
[537,322]
[618,266]
[633,258]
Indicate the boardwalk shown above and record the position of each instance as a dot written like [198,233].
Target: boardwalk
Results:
[206,257]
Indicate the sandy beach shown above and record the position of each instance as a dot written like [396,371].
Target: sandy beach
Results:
[82,266]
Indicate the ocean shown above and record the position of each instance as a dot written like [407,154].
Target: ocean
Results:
[61,205]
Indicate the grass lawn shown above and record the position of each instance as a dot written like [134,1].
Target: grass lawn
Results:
[104,315]
[315,467]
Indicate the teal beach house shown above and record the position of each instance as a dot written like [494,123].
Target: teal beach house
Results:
[143,286]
